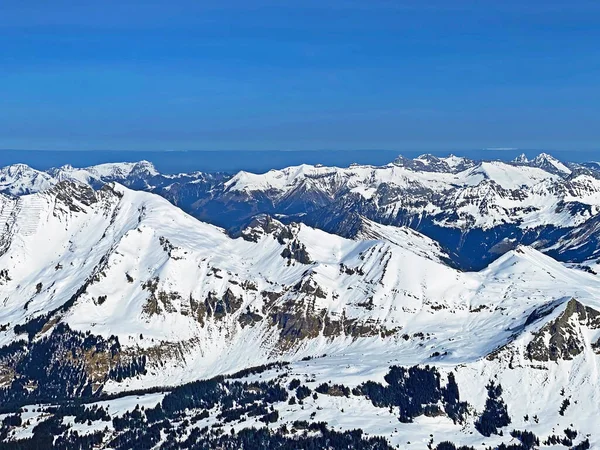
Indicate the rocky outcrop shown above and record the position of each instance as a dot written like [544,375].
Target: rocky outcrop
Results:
[261,225]
[296,251]
[561,338]
[159,301]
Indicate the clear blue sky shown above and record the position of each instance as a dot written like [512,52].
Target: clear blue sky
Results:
[335,74]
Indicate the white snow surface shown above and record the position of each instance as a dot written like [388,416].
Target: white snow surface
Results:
[54,249]
[54,241]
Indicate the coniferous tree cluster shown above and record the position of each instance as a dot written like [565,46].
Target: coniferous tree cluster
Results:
[258,369]
[302,392]
[584,445]
[175,423]
[495,415]
[527,438]
[415,391]
[566,440]
[335,389]
[450,446]
[320,437]
[123,370]
[58,362]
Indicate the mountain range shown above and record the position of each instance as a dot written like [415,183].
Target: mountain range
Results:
[476,210]
[428,303]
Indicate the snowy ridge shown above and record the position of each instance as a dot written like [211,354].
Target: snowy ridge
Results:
[516,191]
[476,210]
[393,266]
[127,230]
[453,192]
[20,179]
[186,301]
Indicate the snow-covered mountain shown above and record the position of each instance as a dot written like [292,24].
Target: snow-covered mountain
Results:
[476,210]
[20,179]
[117,296]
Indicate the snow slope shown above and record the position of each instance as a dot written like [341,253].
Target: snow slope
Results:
[393,281]
[125,264]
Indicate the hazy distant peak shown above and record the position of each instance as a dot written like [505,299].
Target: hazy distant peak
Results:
[550,164]
[521,159]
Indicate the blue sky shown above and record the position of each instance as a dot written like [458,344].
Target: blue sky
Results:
[328,74]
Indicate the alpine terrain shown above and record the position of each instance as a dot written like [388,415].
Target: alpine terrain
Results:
[431,303]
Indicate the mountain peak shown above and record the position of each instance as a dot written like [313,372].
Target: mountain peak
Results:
[428,159]
[145,166]
[259,226]
[521,159]
[20,179]
[544,157]
[550,164]
[18,168]
[111,289]
[400,160]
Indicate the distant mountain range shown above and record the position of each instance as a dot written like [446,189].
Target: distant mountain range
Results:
[476,210]
[169,162]
[430,303]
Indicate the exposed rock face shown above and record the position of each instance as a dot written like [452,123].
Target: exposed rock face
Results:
[284,234]
[301,320]
[296,326]
[74,195]
[259,226]
[249,318]
[561,339]
[308,286]
[158,301]
[296,251]
[227,304]
[218,307]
